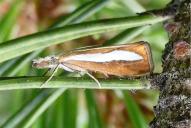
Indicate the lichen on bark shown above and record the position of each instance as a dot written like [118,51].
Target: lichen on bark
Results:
[174,104]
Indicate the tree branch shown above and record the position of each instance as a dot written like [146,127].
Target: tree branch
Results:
[174,105]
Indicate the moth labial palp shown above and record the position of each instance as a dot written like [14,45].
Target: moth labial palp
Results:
[128,60]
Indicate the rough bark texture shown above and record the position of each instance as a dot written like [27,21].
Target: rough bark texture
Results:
[174,105]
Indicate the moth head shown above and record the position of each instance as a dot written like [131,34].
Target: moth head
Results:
[47,62]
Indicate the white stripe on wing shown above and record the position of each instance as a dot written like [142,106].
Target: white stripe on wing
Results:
[116,55]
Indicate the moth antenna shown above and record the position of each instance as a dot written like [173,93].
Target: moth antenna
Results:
[94,79]
[87,47]
[55,70]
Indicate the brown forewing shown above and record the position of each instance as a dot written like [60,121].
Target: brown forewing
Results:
[117,68]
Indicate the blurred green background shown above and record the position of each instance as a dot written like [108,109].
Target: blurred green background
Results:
[78,107]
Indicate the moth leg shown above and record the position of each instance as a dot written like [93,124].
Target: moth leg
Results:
[81,71]
[46,72]
[66,68]
[90,75]
[106,75]
[54,71]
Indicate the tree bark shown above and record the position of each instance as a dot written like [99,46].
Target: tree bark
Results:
[174,104]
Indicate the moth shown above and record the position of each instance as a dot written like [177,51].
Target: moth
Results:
[128,60]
